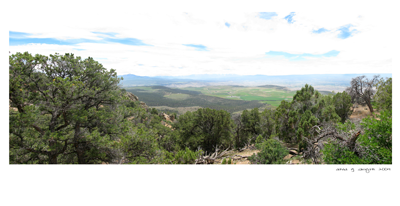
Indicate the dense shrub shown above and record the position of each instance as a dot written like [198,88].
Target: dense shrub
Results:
[375,144]
[334,153]
[383,97]
[205,128]
[343,105]
[259,139]
[186,156]
[271,152]
[224,161]
[377,138]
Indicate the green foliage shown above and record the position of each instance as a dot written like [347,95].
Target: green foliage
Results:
[377,138]
[229,161]
[154,111]
[224,161]
[375,143]
[308,108]
[205,128]
[259,139]
[58,100]
[343,104]
[181,157]
[267,123]
[72,111]
[271,152]
[328,113]
[250,121]
[346,126]
[283,122]
[248,126]
[139,145]
[307,121]
[335,153]
[383,97]
[305,96]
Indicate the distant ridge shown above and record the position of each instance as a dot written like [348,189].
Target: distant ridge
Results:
[134,80]
[235,77]
[244,80]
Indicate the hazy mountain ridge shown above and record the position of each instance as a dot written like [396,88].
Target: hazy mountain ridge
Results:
[293,81]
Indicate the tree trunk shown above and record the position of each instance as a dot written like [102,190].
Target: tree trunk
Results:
[53,154]
[53,158]
[80,152]
[370,106]
[79,147]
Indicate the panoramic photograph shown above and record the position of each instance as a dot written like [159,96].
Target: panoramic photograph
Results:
[199,103]
[202,88]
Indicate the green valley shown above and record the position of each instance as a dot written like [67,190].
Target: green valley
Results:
[230,98]
[268,94]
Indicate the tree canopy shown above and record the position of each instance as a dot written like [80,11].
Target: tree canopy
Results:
[205,128]
[343,105]
[68,109]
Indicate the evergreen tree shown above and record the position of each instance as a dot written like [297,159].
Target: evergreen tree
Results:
[267,123]
[271,152]
[205,128]
[69,110]
[342,103]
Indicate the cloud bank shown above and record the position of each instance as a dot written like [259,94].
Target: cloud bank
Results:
[276,42]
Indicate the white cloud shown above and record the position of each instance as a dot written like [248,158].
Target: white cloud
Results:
[239,49]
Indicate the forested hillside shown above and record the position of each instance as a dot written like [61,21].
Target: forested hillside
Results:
[159,96]
[68,110]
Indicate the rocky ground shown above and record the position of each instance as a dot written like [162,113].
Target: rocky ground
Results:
[241,158]
[238,157]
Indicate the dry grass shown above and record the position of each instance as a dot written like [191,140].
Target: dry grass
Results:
[362,112]
[232,153]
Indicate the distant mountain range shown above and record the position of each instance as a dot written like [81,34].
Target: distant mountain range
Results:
[133,80]
[244,80]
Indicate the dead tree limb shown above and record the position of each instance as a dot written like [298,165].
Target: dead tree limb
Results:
[314,146]
[210,159]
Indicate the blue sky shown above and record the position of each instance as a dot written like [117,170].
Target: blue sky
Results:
[346,32]
[267,15]
[320,30]
[21,38]
[289,17]
[198,47]
[268,41]
[297,57]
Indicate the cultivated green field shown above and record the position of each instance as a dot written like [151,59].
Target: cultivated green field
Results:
[268,94]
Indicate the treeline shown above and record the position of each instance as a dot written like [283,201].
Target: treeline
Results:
[72,111]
